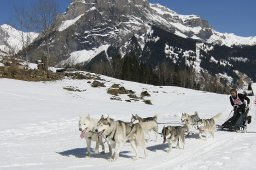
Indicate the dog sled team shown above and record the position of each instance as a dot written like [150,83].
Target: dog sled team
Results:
[116,132]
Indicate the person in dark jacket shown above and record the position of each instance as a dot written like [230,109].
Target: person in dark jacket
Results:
[237,100]
[238,120]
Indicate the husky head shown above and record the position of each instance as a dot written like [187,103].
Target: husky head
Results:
[85,125]
[184,118]
[200,124]
[166,132]
[188,119]
[103,124]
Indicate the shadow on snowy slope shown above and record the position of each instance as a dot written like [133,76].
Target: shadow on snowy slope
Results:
[80,153]
[157,147]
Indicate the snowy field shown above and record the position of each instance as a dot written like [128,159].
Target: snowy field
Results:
[39,127]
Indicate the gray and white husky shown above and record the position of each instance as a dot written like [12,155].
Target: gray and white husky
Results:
[190,121]
[148,124]
[117,133]
[207,126]
[174,134]
[87,127]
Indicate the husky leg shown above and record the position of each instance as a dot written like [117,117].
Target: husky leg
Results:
[145,151]
[103,148]
[97,146]
[212,133]
[200,135]
[183,141]
[170,146]
[110,149]
[102,145]
[178,143]
[156,133]
[113,150]
[88,142]
[206,136]
[134,146]
[143,145]
[117,150]
[148,136]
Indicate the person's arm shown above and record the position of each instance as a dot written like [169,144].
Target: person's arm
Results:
[247,99]
[241,96]
[231,101]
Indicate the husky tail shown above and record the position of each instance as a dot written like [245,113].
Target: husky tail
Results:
[155,117]
[217,117]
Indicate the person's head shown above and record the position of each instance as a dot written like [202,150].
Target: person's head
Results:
[233,92]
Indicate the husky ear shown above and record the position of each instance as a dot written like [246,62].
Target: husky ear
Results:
[102,116]
[108,118]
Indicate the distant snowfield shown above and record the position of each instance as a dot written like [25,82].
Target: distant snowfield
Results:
[65,24]
[39,127]
[77,57]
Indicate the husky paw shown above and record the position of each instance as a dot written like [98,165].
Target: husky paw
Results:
[97,151]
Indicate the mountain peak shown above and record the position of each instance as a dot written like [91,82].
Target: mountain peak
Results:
[11,39]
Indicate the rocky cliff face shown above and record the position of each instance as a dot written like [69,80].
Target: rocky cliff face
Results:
[94,32]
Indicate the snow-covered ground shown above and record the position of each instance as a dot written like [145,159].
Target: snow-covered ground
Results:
[39,127]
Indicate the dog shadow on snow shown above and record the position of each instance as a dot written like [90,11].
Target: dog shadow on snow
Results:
[154,148]
[80,153]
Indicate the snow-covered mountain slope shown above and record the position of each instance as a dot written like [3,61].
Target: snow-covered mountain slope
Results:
[199,29]
[87,25]
[39,127]
[100,36]
[12,40]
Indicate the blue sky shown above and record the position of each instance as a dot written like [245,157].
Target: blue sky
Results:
[233,16]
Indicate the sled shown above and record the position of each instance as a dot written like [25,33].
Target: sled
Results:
[237,123]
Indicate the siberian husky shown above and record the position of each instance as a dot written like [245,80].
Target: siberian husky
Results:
[207,126]
[190,121]
[117,133]
[87,127]
[148,124]
[174,134]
